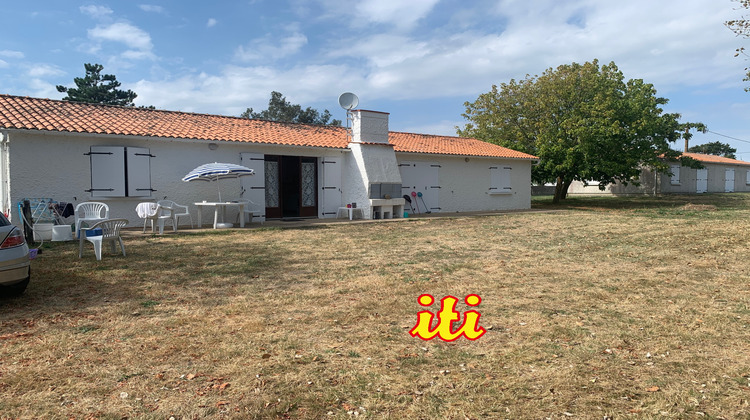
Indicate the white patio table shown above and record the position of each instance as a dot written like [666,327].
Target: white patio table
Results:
[220,207]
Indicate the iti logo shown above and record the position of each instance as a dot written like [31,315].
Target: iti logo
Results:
[446,317]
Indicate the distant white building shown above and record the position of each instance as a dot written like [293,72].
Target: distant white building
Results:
[719,174]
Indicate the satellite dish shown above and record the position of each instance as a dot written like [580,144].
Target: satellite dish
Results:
[348,101]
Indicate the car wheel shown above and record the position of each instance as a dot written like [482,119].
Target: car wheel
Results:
[15,289]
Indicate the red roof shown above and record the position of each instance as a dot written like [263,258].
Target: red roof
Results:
[715,159]
[24,113]
[447,145]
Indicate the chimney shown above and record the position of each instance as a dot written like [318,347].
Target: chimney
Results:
[369,127]
[377,186]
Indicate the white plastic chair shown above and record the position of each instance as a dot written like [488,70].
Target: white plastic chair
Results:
[110,233]
[177,211]
[155,213]
[249,209]
[93,211]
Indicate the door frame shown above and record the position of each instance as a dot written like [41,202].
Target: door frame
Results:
[295,192]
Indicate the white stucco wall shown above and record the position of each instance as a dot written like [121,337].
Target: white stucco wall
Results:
[464,185]
[716,179]
[53,165]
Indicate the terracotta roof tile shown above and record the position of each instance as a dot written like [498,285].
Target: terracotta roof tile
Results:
[447,145]
[715,159]
[25,113]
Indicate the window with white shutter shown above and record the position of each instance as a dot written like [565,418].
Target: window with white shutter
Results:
[118,171]
[675,178]
[500,180]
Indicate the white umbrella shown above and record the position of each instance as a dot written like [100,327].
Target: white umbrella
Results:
[216,171]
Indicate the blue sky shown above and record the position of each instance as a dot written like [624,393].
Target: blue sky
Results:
[418,60]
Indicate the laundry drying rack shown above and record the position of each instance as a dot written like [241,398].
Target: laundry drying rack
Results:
[34,211]
[41,210]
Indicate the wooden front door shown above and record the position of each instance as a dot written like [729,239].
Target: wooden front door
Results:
[291,186]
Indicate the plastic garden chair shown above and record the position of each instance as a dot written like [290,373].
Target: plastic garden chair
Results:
[92,212]
[103,231]
[248,210]
[156,214]
[177,210]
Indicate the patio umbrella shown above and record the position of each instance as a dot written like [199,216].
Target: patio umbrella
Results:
[216,171]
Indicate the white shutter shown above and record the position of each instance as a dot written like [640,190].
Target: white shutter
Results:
[747,177]
[107,171]
[331,186]
[408,183]
[701,182]
[421,177]
[139,172]
[729,180]
[500,180]
[254,186]
[431,190]
[675,178]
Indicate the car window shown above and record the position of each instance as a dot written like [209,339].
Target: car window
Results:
[3,220]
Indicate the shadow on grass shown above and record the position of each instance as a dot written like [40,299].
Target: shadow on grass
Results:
[727,201]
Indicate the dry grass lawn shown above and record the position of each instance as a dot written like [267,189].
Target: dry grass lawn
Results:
[607,307]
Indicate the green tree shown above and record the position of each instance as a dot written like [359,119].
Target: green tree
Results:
[97,88]
[584,121]
[279,109]
[741,27]
[715,148]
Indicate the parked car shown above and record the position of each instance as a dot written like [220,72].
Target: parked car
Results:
[15,267]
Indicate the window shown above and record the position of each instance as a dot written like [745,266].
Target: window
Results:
[118,171]
[500,180]
[675,178]
[747,177]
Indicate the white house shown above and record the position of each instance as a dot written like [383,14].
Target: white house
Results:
[719,174]
[76,152]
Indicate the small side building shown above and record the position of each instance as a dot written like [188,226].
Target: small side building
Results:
[719,174]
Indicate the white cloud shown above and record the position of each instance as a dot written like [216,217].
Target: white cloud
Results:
[133,37]
[43,89]
[44,70]
[11,54]
[211,23]
[96,12]
[3,64]
[150,8]
[138,55]
[386,50]
[265,49]
[399,13]
[237,88]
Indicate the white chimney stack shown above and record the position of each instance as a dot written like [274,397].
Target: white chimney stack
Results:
[369,127]
[374,159]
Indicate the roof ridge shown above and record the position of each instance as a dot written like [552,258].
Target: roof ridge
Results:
[433,135]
